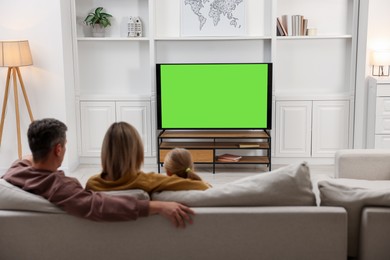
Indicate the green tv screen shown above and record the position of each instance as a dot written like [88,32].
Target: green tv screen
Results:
[214,96]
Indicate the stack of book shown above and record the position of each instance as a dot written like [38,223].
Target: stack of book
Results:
[228,158]
[295,25]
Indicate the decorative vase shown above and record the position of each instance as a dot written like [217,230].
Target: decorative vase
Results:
[98,30]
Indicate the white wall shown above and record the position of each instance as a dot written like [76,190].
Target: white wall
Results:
[48,82]
[378,37]
[378,26]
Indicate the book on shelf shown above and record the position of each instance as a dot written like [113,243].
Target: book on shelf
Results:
[249,145]
[299,25]
[281,30]
[286,23]
[304,27]
[278,31]
[228,158]
[291,25]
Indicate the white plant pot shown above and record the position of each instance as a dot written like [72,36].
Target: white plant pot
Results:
[98,30]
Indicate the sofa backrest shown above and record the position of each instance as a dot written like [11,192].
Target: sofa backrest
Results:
[217,233]
[365,164]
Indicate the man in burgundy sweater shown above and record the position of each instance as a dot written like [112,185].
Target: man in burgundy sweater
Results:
[40,175]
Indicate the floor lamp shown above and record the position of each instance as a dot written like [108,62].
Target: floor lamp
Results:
[14,54]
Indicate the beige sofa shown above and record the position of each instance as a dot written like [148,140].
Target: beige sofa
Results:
[271,216]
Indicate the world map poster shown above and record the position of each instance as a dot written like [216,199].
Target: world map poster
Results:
[213,18]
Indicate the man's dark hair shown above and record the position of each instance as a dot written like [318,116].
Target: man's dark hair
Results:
[43,135]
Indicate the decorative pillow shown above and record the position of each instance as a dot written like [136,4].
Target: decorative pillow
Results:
[315,178]
[354,195]
[14,198]
[287,186]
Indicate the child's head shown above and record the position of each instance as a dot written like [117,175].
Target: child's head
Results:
[179,162]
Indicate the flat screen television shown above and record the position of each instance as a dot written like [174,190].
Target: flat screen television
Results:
[214,96]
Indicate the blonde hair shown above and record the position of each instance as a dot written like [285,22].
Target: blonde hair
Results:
[179,162]
[122,151]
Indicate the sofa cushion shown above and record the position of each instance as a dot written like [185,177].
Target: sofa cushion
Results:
[14,198]
[287,186]
[354,195]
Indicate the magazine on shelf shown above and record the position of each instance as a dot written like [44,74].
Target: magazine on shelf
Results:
[228,158]
[249,145]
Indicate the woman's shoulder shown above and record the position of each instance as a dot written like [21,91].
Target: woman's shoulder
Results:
[97,182]
[152,175]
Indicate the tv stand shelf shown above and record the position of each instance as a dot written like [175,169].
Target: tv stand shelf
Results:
[206,145]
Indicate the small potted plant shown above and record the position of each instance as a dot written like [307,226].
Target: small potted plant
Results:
[99,20]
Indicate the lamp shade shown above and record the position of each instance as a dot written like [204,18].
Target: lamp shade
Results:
[380,58]
[15,54]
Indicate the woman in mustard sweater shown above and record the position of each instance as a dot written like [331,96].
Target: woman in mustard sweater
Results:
[122,157]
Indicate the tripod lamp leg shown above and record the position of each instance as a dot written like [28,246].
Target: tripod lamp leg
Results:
[17,112]
[4,103]
[25,94]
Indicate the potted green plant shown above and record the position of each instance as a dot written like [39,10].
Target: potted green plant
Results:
[99,20]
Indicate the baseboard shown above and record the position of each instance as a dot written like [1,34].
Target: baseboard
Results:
[310,160]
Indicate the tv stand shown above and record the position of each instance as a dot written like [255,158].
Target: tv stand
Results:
[206,145]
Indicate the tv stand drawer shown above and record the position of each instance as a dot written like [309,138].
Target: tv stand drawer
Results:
[198,155]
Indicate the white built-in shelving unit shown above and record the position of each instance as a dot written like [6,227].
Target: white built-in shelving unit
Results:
[313,76]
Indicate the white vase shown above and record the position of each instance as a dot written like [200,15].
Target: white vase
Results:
[98,30]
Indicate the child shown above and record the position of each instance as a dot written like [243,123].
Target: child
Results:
[179,162]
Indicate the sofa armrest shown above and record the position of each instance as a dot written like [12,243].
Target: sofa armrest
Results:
[375,234]
[366,164]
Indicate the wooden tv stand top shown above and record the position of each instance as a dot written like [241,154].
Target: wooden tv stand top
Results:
[214,134]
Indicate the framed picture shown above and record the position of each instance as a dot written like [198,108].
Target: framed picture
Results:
[213,18]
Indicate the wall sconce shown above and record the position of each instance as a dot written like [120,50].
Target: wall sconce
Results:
[14,54]
[380,61]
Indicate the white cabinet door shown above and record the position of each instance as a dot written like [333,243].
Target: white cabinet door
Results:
[137,113]
[293,128]
[96,117]
[330,127]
